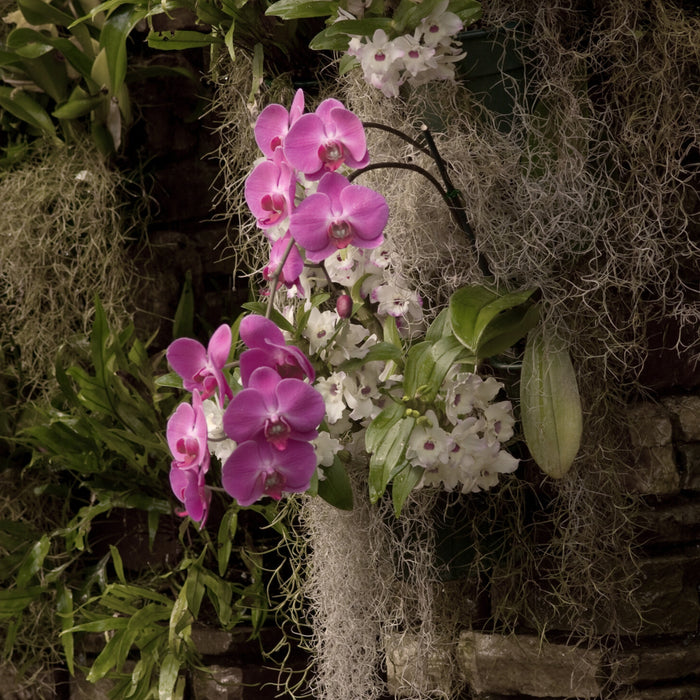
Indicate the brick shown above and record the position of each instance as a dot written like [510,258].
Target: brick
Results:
[654,472]
[523,664]
[648,664]
[649,425]
[675,692]
[685,411]
[219,683]
[408,671]
[689,458]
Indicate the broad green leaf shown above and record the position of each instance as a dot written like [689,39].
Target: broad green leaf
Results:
[33,561]
[180,40]
[388,455]
[27,109]
[380,351]
[473,308]
[336,37]
[507,329]
[117,563]
[13,601]
[64,608]
[183,324]
[404,481]
[74,108]
[38,12]
[296,9]
[550,404]
[428,364]
[225,535]
[336,488]
[113,40]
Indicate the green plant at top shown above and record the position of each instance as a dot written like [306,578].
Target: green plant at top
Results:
[63,73]
[99,450]
[408,41]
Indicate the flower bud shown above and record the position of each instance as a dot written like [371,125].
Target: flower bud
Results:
[343,306]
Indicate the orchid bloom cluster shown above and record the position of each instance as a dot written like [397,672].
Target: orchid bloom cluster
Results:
[263,434]
[279,416]
[469,453]
[429,53]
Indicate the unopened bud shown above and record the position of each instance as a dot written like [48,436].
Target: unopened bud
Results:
[343,306]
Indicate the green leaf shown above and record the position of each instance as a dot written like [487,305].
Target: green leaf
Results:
[507,329]
[13,602]
[180,40]
[183,325]
[389,450]
[336,37]
[380,351]
[78,107]
[296,9]
[550,404]
[113,36]
[225,535]
[473,308]
[117,562]
[336,488]
[64,608]
[38,12]
[33,561]
[405,480]
[427,365]
[27,109]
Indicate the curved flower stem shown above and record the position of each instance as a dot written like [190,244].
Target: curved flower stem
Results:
[274,278]
[396,132]
[404,166]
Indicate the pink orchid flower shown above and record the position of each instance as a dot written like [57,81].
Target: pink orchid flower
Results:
[201,368]
[321,142]
[293,266]
[255,469]
[272,126]
[269,349]
[276,410]
[189,487]
[186,434]
[336,215]
[269,191]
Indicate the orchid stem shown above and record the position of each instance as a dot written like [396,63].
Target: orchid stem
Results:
[274,278]
[396,132]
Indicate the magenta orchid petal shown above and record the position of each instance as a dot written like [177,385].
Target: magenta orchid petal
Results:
[186,434]
[245,415]
[303,141]
[293,265]
[244,472]
[336,215]
[297,108]
[274,409]
[332,184]
[302,406]
[260,332]
[327,106]
[269,192]
[273,124]
[199,369]
[189,487]
[368,213]
[265,380]
[268,348]
[255,469]
[187,357]
[310,221]
[219,346]
[349,131]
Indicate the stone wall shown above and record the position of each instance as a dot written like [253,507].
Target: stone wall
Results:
[662,660]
